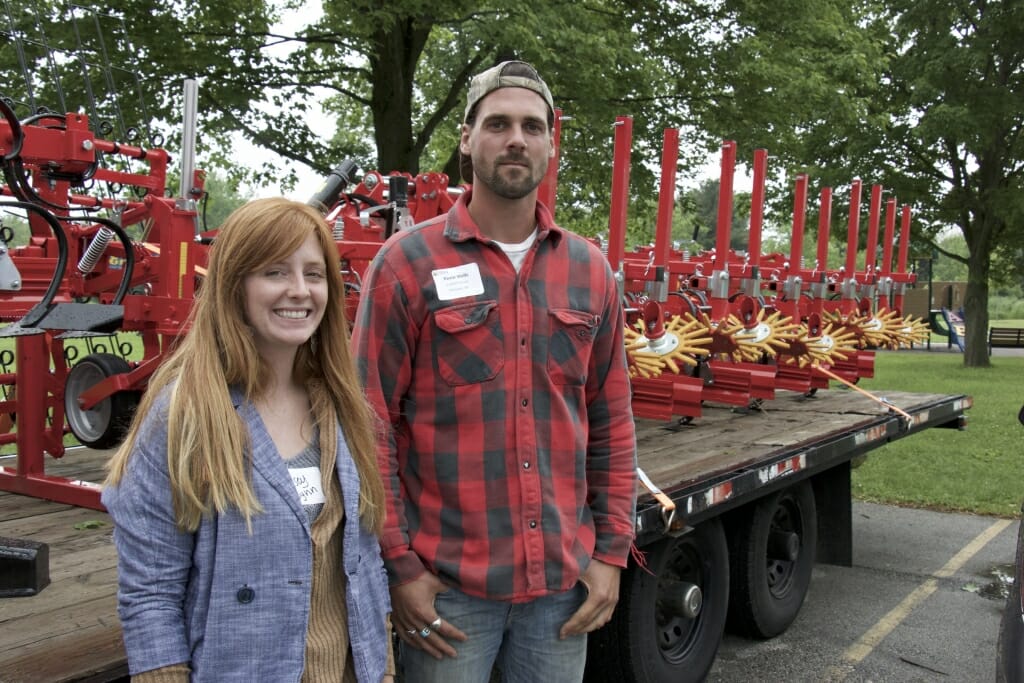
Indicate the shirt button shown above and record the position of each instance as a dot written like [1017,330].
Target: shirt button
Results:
[522,342]
[526,465]
[245,595]
[525,402]
[533,524]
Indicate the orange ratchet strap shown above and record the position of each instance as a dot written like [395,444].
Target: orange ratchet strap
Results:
[884,402]
[668,506]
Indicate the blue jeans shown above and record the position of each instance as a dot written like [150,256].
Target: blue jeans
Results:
[520,639]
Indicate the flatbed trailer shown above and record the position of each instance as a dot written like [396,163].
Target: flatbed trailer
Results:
[759,496]
[739,480]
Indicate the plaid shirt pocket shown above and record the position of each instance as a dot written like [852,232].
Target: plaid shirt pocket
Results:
[570,345]
[470,343]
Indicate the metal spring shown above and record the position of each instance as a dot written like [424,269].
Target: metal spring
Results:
[95,251]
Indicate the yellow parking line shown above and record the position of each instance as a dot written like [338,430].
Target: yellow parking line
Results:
[884,626]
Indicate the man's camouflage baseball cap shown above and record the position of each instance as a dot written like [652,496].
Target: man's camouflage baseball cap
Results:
[511,74]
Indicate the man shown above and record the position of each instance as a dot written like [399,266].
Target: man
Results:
[491,342]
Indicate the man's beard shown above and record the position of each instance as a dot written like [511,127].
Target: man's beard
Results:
[512,188]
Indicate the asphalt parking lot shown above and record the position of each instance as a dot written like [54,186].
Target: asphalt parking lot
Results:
[921,602]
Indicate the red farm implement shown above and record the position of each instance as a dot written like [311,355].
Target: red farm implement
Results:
[702,327]
[719,326]
[81,275]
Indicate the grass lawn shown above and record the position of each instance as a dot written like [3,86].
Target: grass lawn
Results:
[980,470]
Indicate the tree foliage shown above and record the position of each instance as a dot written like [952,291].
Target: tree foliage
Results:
[392,75]
[921,96]
[924,97]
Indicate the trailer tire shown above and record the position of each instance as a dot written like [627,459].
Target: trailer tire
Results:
[105,425]
[768,583]
[644,643]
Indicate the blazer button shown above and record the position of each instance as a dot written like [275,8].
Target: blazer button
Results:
[245,595]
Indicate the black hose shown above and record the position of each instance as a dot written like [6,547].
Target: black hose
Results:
[39,311]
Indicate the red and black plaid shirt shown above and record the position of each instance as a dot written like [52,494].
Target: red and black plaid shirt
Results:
[512,455]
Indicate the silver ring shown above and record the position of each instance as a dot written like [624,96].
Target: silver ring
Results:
[424,632]
[436,623]
[412,632]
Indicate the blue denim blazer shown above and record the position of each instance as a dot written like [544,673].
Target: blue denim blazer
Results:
[235,605]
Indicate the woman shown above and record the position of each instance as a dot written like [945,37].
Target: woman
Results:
[246,498]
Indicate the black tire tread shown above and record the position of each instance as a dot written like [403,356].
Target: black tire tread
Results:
[753,612]
[122,404]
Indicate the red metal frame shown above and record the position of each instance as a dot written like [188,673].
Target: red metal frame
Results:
[658,282]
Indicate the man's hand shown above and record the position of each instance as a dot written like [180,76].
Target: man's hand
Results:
[602,583]
[416,620]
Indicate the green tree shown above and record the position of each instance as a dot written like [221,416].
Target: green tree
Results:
[949,269]
[703,202]
[123,63]
[393,74]
[222,195]
[922,96]
[958,96]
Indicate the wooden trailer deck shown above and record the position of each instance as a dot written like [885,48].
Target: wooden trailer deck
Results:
[70,631]
[725,439]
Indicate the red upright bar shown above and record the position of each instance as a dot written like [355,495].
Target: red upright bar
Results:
[666,197]
[549,185]
[620,191]
[890,236]
[757,206]
[719,285]
[824,227]
[725,204]
[901,266]
[874,212]
[796,246]
[853,229]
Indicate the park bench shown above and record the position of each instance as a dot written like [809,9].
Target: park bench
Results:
[1005,337]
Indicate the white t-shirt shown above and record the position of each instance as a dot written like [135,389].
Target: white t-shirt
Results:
[517,252]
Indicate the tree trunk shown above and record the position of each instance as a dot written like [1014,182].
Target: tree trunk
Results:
[976,304]
[393,68]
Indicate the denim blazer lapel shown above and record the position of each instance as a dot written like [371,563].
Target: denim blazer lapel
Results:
[268,463]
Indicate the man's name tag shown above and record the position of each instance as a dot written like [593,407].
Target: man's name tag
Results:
[307,483]
[457,282]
